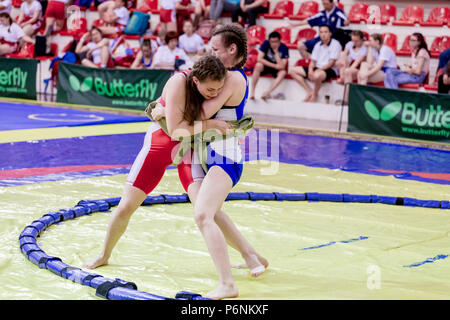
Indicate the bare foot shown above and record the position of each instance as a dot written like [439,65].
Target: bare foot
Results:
[313,98]
[256,263]
[223,291]
[265,96]
[252,97]
[98,262]
[308,97]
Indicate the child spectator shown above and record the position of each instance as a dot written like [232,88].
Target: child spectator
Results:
[5,6]
[350,59]
[169,56]
[419,68]
[95,53]
[249,10]
[116,16]
[332,16]
[144,56]
[167,15]
[10,35]
[322,66]
[30,16]
[379,61]
[272,59]
[191,42]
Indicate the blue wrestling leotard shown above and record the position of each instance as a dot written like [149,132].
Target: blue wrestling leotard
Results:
[227,153]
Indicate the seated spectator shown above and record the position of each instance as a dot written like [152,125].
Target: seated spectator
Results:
[170,56]
[272,59]
[444,58]
[202,11]
[5,6]
[218,7]
[11,35]
[55,16]
[332,16]
[249,10]
[419,68]
[116,16]
[322,66]
[95,53]
[144,56]
[184,9]
[167,16]
[350,59]
[191,42]
[378,61]
[444,80]
[30,16]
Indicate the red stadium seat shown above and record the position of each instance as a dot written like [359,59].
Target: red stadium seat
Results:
[438,17]
[252,56]
[285,34]
[390,39]
[16,3]
[439,44]
[410,15]
[434,86]
[359,12]
[306,10]
[26,51]
[148,6]
[282,9]
[77,28]
[340,5]
[256,35]
[303,62]
[388,12]
[302,35]
[405,50]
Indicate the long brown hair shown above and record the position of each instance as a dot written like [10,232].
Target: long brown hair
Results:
[6,15]
[231,33]
[206,68]
[422,43]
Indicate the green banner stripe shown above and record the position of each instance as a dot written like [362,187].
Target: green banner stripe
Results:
[18,78]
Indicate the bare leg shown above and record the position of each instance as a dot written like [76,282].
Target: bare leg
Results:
[303,50]
[317,78]
[259,67]
[132,198]
[234,238]
[280,76]
[299,75]
[210,198]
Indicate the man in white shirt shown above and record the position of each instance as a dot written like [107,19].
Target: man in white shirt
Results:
[322,66]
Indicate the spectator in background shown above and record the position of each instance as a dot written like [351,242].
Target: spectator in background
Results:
[144,57]
[170,56]
[55,16]
[272,59]
[30,16]
[115,14]
[167,16]
[217,7]
[444,58]
[419,68]
[95,53]
[202,11]
[249,10]
[191,42]
[184,9]
[379,61]
[331,16]
[5,6]
[322,66]
[11,35]
[350,59]
[444,80]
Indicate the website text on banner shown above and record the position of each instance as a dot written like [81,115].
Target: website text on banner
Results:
[18,78]
[399,113]
[116,88]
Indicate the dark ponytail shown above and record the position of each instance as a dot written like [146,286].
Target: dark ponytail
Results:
[206,68]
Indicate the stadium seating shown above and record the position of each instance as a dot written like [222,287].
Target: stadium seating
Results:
[256,35]
[358,13]
[388,12]
[439,16]
[439,44]
[285,35]
[302,35]
[410,15]
[390,39]
[306,10]
[77,29]
[282,9]
[405,50]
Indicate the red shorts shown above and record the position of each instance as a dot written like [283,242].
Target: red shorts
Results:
[166,16]
[154,158]
[56,9]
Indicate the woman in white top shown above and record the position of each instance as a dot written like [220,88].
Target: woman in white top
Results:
[30,16]
[351,57]
[191,42]
[166,56]
[115,14]
[10,35]
[95,53]
[419,68]
[379,61]
[5,6]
